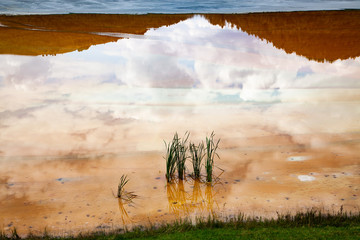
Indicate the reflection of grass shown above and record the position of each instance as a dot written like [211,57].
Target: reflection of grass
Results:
[177,198]
[209,199]
[123,213]
[211,148]
[170,192]
[124,197]
[196,194]
[183,203]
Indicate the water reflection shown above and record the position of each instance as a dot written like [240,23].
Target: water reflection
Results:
[56,34]
[325,36]
[90,101]
[320,36]
[127,198]
[200,201]
[108,109]
[123,213]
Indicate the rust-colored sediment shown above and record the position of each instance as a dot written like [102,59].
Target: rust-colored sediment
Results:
[70,195]
[316,35]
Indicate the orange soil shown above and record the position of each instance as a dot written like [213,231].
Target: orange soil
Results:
[68,195]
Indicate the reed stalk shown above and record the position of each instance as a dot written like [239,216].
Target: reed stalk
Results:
[181,155]
[123,181]
[171,157]
[196,154]
[211,148]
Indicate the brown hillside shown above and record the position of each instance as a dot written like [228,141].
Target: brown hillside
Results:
[25,42]
[319,35]
[54,34]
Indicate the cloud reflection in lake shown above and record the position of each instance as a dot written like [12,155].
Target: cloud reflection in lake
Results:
[79,120]
[172,73]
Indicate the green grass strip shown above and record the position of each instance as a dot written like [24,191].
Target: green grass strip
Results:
[326,233]
[309,225]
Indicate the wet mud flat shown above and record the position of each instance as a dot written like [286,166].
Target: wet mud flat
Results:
[88,102]
[68,195]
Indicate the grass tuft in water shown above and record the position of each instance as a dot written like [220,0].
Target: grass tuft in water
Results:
[123,181]
[181,157]
[211,147]
[175,157]
[171,157]
[197,153]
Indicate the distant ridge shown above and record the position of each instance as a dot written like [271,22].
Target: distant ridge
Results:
[316,35]
[54,34]
[320,36]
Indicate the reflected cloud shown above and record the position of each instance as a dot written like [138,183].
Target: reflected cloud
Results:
[142,68]
[189,75]
[24,72]
[303,71]
[20,113]
[308,34]
[75,120]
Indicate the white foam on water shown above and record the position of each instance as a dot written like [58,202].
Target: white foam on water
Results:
[306,178]
[298,158]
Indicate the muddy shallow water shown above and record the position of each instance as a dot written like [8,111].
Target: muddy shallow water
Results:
[72,122]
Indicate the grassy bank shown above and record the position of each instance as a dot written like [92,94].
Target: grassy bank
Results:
[309,225]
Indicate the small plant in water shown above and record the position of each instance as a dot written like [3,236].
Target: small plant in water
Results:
[181,155]
[196,154]
[123,181]
[171,157]
[211,148]
[176,155]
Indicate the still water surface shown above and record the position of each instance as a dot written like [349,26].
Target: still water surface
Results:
[71,124]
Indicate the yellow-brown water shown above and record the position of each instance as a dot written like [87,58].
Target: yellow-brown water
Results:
[72,124]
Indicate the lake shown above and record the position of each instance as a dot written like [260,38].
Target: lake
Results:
[86,98]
